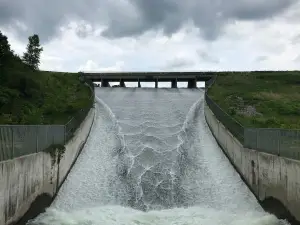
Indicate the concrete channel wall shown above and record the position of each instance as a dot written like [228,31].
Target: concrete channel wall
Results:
[25,178]
[268,176]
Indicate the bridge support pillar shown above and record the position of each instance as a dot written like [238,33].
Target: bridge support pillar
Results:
[139,83]
[156,83]
[122,83]
[104,83]
[192,83]
[174,83]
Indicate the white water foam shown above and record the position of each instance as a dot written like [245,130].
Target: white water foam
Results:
[211,190]
[117,215]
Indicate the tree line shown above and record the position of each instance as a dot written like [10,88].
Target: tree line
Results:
[31,96]
[30,59]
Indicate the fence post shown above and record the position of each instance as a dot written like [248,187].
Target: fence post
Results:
[12,143]
[244,131]
[37,138]
[65,133]
[52,137]
[278,142]
[257,138]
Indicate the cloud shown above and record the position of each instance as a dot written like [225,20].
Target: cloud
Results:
[85,42]
[178,63]
[91,66]
[261,58]
[297,59]
[295,39]
[126,18]
[44,17]
[206,57]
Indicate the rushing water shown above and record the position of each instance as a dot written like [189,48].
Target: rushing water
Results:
[151,159]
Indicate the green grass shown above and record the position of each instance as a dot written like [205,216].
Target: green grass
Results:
[38,97]
[274,95]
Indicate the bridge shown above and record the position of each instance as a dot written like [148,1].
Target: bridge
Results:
[191,77]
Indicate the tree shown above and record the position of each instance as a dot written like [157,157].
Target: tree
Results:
[5,51]
[32,56]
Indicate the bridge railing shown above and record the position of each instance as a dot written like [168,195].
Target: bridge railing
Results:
[281,142]
[20,140]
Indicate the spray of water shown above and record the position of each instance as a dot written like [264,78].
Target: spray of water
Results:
[151,159]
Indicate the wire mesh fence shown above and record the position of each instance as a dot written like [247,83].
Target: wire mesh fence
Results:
[231,124]
[281,142]
[74,123]
[20,140]
[210,82]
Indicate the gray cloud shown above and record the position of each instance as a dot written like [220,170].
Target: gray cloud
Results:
[297,58]
[295,39]
[44,17]
[134,17]
[83,30]
[178,62]
[261,58]
[204,56]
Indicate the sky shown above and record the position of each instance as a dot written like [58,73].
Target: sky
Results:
[157,35]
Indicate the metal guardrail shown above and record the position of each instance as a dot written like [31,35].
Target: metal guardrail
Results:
[276,141]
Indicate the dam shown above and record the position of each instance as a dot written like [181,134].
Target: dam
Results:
[151,159]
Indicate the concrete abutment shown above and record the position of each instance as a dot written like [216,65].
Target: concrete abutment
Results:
[192,83]
[272,179]
[122,83]
[105,83]
[29,183]
[174,83]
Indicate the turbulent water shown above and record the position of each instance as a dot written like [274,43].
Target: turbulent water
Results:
[151,159]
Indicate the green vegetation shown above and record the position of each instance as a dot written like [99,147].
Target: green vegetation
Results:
[32,56]
[260,99]
[30,96]
[56,151]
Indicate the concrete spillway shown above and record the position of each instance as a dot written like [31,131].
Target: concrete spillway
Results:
[151,159]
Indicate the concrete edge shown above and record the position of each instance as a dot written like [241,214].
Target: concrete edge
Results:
[226,154]
[291,218]
[79,152]
[44,200]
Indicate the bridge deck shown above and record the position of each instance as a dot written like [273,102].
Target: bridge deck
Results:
[149,76]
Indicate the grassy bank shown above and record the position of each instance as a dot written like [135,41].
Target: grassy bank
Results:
[31,96]
[37,97]
[260,99]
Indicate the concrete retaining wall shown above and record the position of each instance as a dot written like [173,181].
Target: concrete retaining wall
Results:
[23,179]
[267,175]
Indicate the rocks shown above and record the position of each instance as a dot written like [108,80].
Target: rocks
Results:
[249,111]
[238,106]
